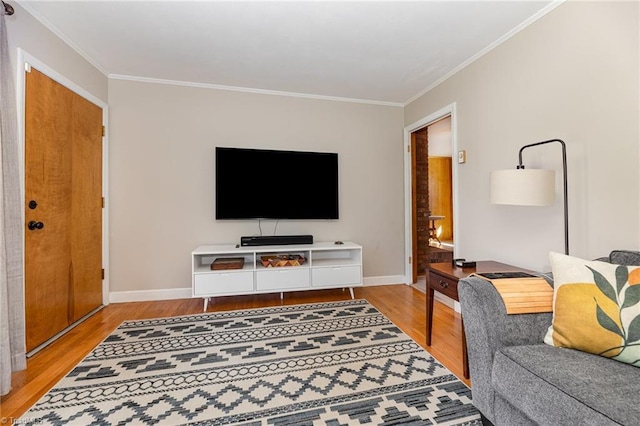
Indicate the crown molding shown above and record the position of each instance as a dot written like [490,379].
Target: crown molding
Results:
[542,12]
[252,90]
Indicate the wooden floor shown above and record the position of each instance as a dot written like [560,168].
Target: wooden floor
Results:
[402,304]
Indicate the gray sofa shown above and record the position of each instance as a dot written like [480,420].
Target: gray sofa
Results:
[517,379]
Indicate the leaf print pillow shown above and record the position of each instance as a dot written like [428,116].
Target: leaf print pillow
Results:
[596,308]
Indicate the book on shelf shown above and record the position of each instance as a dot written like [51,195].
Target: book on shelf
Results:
[227,263]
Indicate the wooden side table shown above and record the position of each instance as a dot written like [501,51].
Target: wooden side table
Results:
[433,231]
[443,278]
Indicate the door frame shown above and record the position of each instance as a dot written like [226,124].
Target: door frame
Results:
[25,60]
[408,205]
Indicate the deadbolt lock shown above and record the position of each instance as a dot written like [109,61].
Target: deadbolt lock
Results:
[33,225]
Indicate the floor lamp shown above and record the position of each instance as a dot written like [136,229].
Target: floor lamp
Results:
[531,187]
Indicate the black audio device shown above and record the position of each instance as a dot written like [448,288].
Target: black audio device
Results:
[276,240]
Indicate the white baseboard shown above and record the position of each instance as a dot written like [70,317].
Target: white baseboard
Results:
[185,293]
[388,280]
[447,301]
[149,295]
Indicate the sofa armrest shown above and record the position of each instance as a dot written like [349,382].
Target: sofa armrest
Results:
[488,328]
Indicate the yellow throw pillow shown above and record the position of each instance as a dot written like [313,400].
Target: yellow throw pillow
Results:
[596,308]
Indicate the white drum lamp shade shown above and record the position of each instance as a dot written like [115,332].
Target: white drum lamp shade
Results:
[531,187]
[523,187]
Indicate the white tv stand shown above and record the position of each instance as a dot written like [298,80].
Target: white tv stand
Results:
[327,265]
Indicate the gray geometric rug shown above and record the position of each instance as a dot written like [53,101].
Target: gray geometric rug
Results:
[337,363]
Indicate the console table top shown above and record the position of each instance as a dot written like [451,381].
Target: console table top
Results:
[455,272]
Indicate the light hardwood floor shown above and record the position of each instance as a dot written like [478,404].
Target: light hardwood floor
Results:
[402,304]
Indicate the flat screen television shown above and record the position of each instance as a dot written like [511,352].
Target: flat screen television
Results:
[271,184]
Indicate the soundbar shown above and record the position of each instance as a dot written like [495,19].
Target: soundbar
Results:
[276,240]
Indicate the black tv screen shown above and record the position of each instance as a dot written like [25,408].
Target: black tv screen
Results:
[270,184]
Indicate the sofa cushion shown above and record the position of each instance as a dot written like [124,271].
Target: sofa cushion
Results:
[596,308]
[625,257]
[558,386]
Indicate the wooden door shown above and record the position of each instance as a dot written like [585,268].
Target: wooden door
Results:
[441,194]
[63,212]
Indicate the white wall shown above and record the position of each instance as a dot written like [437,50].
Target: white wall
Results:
[440,138]
[162,140]
[27,33]
[572,75]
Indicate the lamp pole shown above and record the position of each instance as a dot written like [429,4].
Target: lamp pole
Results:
[564,178]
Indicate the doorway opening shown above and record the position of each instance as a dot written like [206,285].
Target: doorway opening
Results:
[431,181]
[440,175]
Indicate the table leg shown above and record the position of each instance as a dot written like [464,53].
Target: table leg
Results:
[465,358]
[206,302]
[351,291]
[433,232]
[429,319]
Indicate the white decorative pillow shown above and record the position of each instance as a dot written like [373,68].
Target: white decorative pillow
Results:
[596,308]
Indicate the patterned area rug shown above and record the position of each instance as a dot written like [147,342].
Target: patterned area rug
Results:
[338,363]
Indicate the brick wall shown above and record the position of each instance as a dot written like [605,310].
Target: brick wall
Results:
[422,198]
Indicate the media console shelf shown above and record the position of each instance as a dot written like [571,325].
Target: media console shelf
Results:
[327,265]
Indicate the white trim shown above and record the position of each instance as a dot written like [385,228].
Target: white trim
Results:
[542,12]
[150,295]
[252,90]
[62,36]
[385,280]
[408,235]
[186,293]
[25,59]
[105,208]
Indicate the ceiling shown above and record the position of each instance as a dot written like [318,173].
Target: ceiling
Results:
[386,52]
